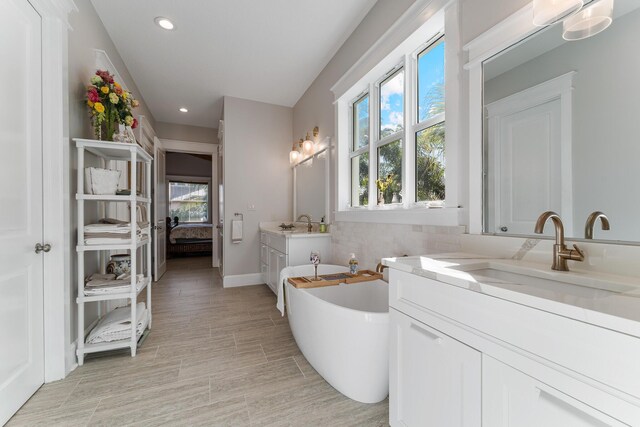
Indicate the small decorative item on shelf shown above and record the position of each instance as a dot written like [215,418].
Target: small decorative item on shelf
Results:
[383,185]
[119,264]
[110,106]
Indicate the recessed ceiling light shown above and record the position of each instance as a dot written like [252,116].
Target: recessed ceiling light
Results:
[164,23]
[184,110]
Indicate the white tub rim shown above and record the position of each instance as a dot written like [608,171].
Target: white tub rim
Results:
[383,315]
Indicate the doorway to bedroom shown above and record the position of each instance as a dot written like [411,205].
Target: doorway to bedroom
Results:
[191,205]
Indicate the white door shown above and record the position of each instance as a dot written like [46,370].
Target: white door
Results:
[434,380]
[512,398]
[220,225]
[527,143]
[21,268]
[160,212]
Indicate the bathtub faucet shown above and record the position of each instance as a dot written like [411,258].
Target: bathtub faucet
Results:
[309,226]
[380,268]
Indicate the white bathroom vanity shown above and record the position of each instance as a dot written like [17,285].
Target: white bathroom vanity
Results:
[280,249]
[477,341]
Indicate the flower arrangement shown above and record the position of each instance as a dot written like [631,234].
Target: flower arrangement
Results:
[383,185]
[109,105]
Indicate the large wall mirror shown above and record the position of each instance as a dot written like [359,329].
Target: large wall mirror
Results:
[562,130]
[311,187]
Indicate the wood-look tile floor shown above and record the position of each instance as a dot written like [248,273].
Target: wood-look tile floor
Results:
[215,357]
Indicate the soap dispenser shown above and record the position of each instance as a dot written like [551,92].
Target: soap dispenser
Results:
[353,264]
[323,226]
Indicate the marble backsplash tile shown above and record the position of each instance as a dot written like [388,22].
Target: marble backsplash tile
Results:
[372,241]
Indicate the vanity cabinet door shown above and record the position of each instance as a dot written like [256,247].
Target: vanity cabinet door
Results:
[277,261]
[435,380]
[512,398]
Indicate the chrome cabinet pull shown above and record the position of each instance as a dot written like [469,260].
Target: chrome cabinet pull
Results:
[426,332]
[42,248]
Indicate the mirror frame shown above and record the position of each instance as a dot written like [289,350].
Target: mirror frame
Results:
[502,36]
[325,152]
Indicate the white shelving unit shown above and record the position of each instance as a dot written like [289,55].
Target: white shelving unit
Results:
[108,152]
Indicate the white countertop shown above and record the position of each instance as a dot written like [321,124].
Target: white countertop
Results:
[604,300]
[299,232]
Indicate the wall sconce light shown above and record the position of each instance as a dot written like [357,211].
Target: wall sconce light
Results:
[589,21]
[295,155]
[547,12]
[303,148]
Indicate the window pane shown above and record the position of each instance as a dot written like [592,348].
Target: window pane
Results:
[189,201]
[361,123]
[390,171]
[360,180]
[431,81]
[392,104]
[430,163]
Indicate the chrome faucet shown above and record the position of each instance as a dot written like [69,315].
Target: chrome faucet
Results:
[309,226]
[591,223]
[560,252]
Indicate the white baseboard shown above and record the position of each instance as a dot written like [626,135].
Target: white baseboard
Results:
[70,357]
[242,280]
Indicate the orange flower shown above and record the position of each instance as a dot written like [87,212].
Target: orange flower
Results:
[99,107]
[105,89]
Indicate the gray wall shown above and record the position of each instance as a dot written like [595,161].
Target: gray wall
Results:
[186,133]
[257,142]
[605,149]
[88,33]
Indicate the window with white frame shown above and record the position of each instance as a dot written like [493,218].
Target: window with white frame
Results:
[397,138]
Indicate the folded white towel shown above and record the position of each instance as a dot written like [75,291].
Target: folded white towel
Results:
[236,230]
[116,325]
[299,271]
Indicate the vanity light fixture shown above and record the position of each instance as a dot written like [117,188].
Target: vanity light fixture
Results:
[183,110]
[294,154]
[589,21]
[308,146]
[304,148]
[164,23]
[547,12]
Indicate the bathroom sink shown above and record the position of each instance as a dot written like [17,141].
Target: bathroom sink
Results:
[568,283]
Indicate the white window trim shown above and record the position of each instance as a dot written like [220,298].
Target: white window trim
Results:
[443,15]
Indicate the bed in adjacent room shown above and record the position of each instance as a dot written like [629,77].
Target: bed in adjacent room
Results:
[188,238]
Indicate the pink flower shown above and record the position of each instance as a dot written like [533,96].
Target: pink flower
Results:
[105,75]
[92,95]
[134,124]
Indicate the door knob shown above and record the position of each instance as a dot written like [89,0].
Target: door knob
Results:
[42,248]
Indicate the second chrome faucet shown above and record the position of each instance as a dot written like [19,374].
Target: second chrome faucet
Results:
[560,252]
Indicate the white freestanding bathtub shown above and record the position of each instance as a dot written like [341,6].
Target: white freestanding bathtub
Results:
[343,331]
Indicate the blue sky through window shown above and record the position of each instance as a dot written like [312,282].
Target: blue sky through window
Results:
[392,104]
[431,81]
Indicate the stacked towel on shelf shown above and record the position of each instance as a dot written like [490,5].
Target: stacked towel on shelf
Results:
[101,284]
[116,325]
[110,234]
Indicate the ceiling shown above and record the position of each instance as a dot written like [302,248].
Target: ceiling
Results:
[267,50]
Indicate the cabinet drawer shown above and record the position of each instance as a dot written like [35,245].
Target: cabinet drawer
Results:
[513,398]
[434,380]
[279,243]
